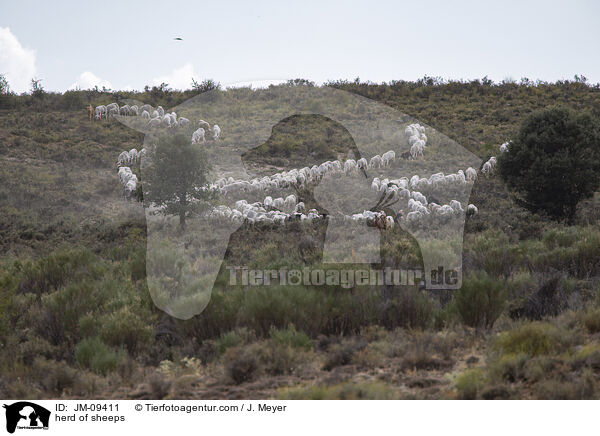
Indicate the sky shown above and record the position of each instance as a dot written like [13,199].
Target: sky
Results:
[127,45]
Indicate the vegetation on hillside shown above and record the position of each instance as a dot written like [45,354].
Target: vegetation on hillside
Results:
[77,320]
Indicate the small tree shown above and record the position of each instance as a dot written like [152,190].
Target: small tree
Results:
[205,85]
[5,94]
[37,90]
[176,176]
[4,87]
[554,162]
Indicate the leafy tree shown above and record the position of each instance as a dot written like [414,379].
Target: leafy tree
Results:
[6,96]
[176,176]
[554,162]
[4,88]
[205,85]
[37,90]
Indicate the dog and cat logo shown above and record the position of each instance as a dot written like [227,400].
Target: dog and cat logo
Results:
[26,415]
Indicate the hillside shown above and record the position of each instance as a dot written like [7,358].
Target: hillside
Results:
[75,307]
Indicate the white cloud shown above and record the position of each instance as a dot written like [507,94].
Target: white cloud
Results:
[16,63]
[88,80]
[179,78]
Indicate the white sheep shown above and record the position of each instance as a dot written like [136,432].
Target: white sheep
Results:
[154,122]
[216,132]
[472,210]
[416,150]
[471,174]
[349,165]
[129,188]
[388,157]
[204,125]
[376,162]
[456,206]
[145,115]
[123,159]
[412,217]
[290,202]
[362,163]
[419,197]
[100,112]
[198,136]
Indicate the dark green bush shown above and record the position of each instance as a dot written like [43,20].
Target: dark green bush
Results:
[480,300]
[95,355]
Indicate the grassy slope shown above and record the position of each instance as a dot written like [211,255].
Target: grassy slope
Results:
[58,188]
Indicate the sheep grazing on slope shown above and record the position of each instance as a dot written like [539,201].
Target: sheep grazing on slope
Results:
[111,110]
[471,174]
[362,164]
[123,158]
[388,157]
[416,150]
[375,162]
[203,124]
[216,132]
[349,165]
[489,166]
[472,210]
[154,122]
[198,136]
[100,112]
[456,206]
[145,115]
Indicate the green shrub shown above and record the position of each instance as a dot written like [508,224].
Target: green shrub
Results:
[534,339]
[240,365]
[233,339]
[277,358]
[54,377]
[509,367]
[409,309]
[470,383]
[95,355]
[53,271]
[480,300]
[125,329]
[342,354]
[292,338]
[591,320]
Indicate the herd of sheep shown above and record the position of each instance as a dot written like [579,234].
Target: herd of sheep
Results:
[414,206]
[157,118]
